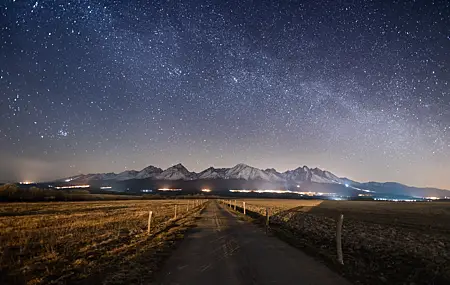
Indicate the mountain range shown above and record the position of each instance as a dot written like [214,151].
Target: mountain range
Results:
[243,176]
[240,171]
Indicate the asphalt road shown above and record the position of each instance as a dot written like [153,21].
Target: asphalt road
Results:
[225,250]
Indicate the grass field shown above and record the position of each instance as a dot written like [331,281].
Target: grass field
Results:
[383,242]
[87,242]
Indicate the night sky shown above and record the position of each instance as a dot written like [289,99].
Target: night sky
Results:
[359,88]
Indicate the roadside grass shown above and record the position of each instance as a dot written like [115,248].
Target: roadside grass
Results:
[88,242]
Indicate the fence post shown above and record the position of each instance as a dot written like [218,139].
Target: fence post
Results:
[149,221]
[267,220]
[175,212]
[339,223]
[243,204]
[235,205]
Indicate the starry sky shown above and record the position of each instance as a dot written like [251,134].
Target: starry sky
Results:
[359,88]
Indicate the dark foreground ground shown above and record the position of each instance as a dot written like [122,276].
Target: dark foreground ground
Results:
[225,250]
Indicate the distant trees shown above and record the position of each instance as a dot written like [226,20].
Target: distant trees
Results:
[13,193]
[8,191]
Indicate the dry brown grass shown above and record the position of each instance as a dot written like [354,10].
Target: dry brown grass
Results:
[383,242]
[278,205]
[59,243]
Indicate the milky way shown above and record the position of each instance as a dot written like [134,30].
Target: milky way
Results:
[360,88]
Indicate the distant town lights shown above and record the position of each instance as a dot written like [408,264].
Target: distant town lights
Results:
[26,182]
[169,189]
[206,190]
[432,198]
[73,187]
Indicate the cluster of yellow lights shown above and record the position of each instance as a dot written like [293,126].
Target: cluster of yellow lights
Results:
[169,189]
[73,187]
[26,182]
[206,190]
[432,198]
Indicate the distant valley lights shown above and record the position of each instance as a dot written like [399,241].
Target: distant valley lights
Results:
[282,192]
[72,187]
[169,189]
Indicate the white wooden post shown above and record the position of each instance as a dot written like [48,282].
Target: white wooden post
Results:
[243,204]
[149,221]
[235,205]
[267,220]
[175,212]
[339,223]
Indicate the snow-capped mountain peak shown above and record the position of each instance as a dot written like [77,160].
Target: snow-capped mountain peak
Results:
[126,175]
[212,173]
[176,172]
[243,171]
[149,172]
[306,174]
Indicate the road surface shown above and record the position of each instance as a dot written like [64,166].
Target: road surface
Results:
[225,250]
